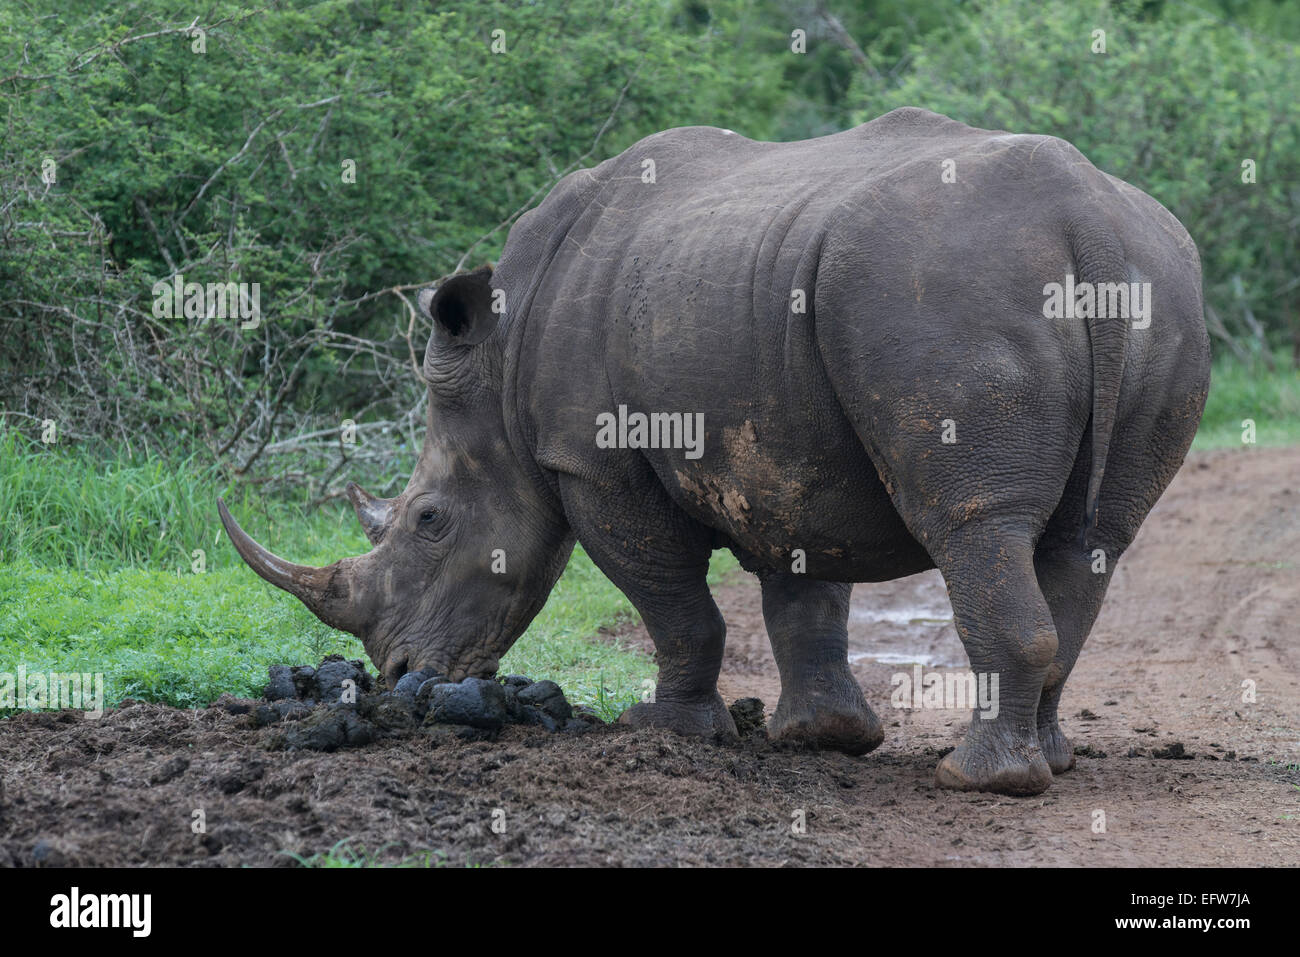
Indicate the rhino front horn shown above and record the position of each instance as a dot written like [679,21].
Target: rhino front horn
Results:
[327,592]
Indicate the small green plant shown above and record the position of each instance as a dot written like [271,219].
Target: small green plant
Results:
[609,705]
[342,854]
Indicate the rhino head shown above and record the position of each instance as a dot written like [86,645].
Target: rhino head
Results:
[434,593]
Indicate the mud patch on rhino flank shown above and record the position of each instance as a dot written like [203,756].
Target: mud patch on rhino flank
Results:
[754,468]
[713,496]
[743,464]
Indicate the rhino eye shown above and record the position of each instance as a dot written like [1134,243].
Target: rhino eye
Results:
[428,515]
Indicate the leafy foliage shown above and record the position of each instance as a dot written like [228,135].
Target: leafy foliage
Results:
[1174,105]
[340,154]
[230,155]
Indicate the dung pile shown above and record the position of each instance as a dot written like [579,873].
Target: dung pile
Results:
[748,715]
[337,705]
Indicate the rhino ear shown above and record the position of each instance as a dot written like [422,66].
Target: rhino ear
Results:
[461,311]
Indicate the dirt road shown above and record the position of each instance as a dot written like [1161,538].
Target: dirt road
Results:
[1207,599]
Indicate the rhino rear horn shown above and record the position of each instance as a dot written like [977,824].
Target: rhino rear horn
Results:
[373,513]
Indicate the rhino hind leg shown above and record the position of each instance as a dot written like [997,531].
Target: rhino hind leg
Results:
[821,704]
[1074,572]
[1074,583]
[1006,627]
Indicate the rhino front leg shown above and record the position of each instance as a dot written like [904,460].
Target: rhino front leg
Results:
[659,558]
[821,703]
[688,648]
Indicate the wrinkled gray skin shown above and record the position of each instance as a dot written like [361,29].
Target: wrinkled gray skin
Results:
[823,427]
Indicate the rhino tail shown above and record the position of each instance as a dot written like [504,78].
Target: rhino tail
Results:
[1099,258]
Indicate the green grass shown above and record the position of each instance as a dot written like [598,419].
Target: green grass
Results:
[97,575]
[183,638]
[344,855]
[1239,392]
[157,636]
[65,506]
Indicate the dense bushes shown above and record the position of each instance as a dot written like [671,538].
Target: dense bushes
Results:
[341,153]
[335,153]
[1183,108]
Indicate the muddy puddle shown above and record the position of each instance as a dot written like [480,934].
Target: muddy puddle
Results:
[905,622]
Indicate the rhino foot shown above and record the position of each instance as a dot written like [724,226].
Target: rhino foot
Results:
[1019,771]
[850,727]
[707,718]
[1056,748]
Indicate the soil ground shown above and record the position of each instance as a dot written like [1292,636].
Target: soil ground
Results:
[1207,598]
